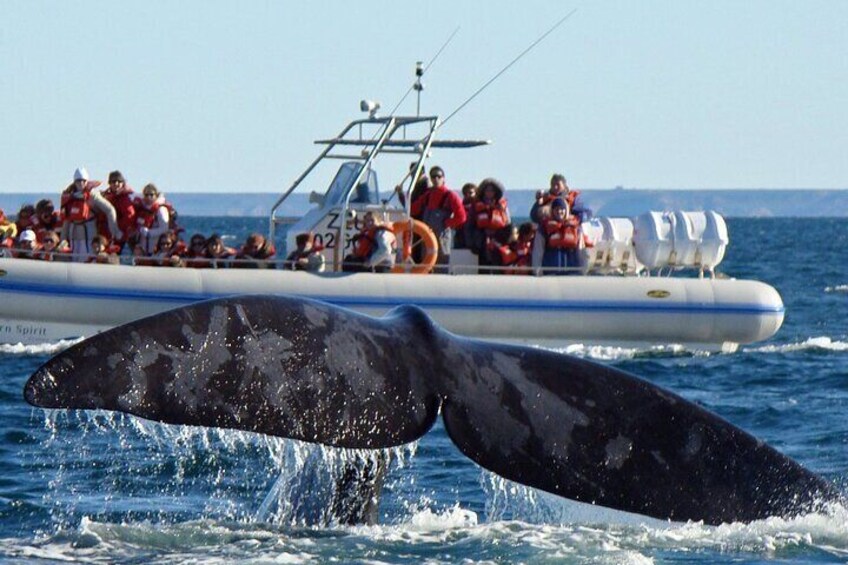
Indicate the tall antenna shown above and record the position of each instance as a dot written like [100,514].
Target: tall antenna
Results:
[417,83]
[511,63]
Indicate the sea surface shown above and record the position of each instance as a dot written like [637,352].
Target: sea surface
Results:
[100,487]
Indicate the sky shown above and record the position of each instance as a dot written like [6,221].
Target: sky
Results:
[210,96]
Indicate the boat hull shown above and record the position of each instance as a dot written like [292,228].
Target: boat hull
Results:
[45,302]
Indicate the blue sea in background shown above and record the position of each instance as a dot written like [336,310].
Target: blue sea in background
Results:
[99,487]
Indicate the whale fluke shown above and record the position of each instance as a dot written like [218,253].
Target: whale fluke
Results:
[305,370]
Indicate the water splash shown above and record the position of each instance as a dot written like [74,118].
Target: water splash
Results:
[39,349]
[821,343]
[841,288]
[619,353]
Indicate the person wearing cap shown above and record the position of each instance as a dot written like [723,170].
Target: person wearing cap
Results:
[564,241]
[27,245]
[120,196]
[81,205]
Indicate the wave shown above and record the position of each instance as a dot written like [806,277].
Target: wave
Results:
[39,348]
[453,534]
[821,343]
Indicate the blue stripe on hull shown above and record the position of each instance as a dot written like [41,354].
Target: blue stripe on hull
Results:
[389,302]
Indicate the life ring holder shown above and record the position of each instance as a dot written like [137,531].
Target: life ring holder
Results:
[428,240]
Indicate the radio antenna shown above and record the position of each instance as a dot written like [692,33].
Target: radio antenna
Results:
[419,72]
[511,63]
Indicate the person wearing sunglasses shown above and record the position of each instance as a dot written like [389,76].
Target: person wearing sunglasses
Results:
[440,208]
[120,196]
[153,217]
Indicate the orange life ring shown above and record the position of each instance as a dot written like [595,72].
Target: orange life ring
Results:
[427,239]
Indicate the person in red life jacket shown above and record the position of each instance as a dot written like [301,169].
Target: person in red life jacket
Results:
[441,209]
[46,219]
[120,196]
[80,206]
[27,245]
[490,216]
[8,231]
[256,253]
[169,251]
[219,255]
[25,217]
[100,252]
[564,241]
[558,189]
[307,256]
[522,249]
[152,217]
[374,247]
[49,247]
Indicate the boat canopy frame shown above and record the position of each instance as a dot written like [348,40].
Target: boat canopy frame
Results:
[389,135]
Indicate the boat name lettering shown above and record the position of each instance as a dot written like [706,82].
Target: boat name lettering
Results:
[658,294]
[326,240]
[24,330]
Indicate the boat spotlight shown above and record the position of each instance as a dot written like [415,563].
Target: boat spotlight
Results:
[370,106]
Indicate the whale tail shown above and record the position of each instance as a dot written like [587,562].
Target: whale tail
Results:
[306,370]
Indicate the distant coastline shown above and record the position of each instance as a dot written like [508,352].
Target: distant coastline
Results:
[735,203]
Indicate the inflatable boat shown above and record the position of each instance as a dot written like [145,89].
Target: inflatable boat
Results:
[647,280]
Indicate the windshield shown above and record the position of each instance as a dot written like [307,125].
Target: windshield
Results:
[366,193]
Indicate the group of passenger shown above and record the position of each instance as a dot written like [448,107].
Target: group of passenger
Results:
[97,226]
[479,220]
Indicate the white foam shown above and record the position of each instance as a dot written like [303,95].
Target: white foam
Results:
[616,353]
[39,348]
[843,288]
[821,343]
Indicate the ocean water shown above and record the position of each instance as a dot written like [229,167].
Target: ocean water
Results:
[100,487]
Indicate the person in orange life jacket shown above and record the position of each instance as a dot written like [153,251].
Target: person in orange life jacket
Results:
[169,251]
[564,241]
[522,249]
[442,210]
[46,219]
[120,195]
[218,254]
[27,245]
[373,248]
[307,256]
[559,189]
[255,253]
[80,206]
[490,216]
[152,217]
[465,235]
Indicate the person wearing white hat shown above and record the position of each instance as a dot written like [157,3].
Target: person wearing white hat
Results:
[27,245]
[81,205]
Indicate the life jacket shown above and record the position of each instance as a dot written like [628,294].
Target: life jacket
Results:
[75,209]
[366,242]
[490,216]
[41,227]
[570,197]
[564,234]
[124,207]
